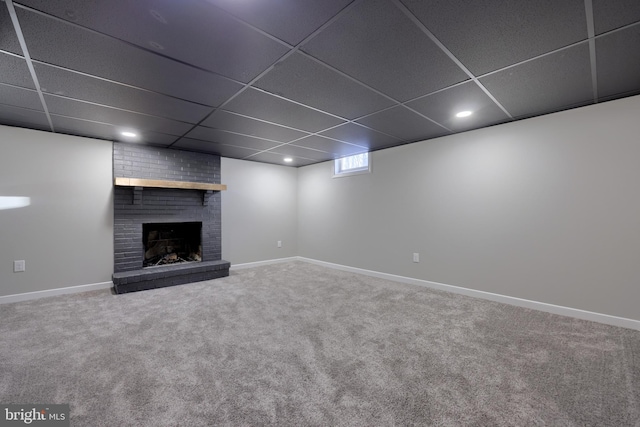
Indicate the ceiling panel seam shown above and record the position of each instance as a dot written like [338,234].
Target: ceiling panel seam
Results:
[354,120]
[426,117]
[36,61]
[253,27]
[327,137]
[107,124]
[27,57]
[20,108]
[11,53]
[591,32]
[319,133]
[395,101]
[142,48]
[276,147]
[615,30]
[55,95]
[344,119]
[551,52]
[219,143]
[298,103]
[263,121]
[18,87]
[436,91]
[309,133]
[447,52]
[353,79]
[270,67]
[250,136]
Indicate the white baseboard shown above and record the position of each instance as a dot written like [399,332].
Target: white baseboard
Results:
[260,263]
[53,292]
[541,306]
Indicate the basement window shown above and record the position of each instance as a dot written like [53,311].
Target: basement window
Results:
[352,165]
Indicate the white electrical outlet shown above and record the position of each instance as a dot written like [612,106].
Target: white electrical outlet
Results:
[279,243]
[416,257]
[18,266]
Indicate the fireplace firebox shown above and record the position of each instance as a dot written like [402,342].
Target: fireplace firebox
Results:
[171,243]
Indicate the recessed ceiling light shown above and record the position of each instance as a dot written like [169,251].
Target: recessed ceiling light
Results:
[464,113]
[288,159]
[129,134]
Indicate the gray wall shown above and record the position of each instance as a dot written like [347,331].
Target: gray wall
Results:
[545,209]
[258,209]
[66,234]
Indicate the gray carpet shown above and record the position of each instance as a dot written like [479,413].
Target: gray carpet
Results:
[297,344]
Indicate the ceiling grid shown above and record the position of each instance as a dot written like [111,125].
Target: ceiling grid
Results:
[27,58]
[591,32]
[312,81]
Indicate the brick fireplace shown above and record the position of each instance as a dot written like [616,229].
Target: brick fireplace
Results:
[167,228]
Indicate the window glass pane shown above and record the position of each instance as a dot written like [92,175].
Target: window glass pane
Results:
[357,162]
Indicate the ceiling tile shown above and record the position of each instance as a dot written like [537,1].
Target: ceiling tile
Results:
[8,39]
[213,148]
[233,122]
[91,129]
[278,159]
[49,40]
[14,71]
[119,118]
[404,124]
[443,106]
[492,34]
[155,138]
[330,146]
[79,86]
[289,20]
[608,15]
[305,80]
[302,152]
[229,138]
[553,82]
[18,97]
[377,44]
[196,32]
[23,117]
[261,105]
[362,136]
[165,68]
[618,63]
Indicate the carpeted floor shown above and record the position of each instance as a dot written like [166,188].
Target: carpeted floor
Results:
[296,344]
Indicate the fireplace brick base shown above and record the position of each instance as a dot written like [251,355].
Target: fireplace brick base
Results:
[134,207]
[163,276]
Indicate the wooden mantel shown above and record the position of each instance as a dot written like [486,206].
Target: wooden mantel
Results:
[158,183]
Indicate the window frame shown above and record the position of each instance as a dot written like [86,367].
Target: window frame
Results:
[351,172]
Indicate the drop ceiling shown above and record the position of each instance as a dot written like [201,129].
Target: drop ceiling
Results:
[312,80]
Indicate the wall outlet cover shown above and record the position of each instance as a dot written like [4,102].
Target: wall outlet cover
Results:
[18,266]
